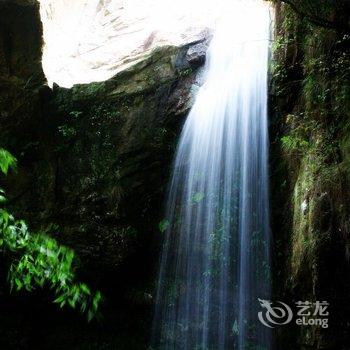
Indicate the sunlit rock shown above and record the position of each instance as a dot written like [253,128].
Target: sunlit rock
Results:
[92,40]
[196,54]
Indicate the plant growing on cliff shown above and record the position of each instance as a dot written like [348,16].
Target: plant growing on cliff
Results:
[38,260]
[291,143]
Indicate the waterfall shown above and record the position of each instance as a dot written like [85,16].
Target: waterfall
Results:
[215,258]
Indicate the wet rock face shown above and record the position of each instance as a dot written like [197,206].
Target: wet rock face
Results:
[20,40]
[21,75]
[114,143]
[94,163]
[309,176]
[196,55]
[94,160]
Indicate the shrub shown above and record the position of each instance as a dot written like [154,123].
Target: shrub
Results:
[39,261]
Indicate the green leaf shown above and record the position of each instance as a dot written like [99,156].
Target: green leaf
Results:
[90,315]
[197,197]
[59,299]
[235,328]
[18,283]
[85,289]
[39,260]
[7,161]
[163,225]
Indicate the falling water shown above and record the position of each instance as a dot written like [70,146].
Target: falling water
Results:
[215,259]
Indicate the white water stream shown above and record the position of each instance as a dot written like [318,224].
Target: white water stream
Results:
[215,259]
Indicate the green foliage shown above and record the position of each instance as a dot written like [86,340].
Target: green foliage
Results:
[75,114]
[67,131]
[2,196]
[38,260]
[197,197]
[235,328]
[293,143]
[102,112]
[163,225]
[185,72]
[7,161]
